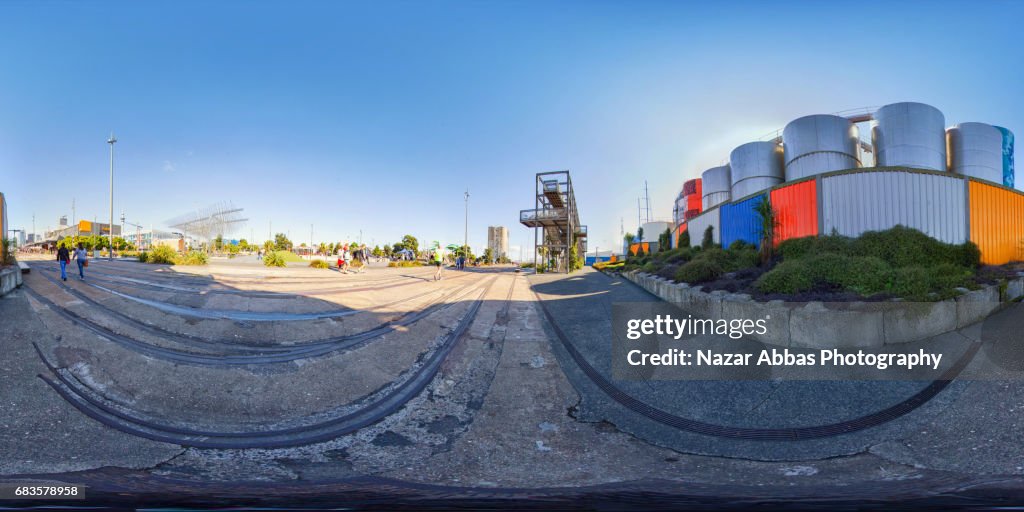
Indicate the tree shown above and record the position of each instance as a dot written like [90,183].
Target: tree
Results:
[243,245]
[665,240]
[410,242]
[769,221]
[488,256]
[218,243]
[640,234]
[628,238]
[376,252]
[281,242]
[709,238]
[684,239]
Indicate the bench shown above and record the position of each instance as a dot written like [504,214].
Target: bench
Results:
[25,269]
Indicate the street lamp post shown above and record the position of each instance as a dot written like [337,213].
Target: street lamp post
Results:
[465,246]
[110,234]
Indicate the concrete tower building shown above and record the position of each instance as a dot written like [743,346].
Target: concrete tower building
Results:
[497,241]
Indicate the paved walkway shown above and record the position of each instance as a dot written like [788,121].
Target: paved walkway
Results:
[506,405]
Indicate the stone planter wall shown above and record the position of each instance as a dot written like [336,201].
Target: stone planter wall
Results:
[10,278]
[853,325]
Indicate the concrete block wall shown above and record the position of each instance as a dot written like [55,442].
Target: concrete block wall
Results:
[855,325]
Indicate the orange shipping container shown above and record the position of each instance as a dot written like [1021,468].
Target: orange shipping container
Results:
[996,222]
[796,209]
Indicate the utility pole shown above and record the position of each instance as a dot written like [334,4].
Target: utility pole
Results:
[74,217]
[34,235]
[465,246]
[111,141]
[311,241]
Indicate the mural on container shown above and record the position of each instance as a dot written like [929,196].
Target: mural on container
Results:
[1008,173]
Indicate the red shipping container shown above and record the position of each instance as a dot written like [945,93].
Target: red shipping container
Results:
[796,210]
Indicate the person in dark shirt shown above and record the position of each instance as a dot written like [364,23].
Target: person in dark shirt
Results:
[64,258]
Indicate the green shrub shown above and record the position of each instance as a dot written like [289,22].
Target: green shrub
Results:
[787,277]
[143,256]
[742,255]
[405,263]
[651,268]
[699,271]
[274,259]
[684,239]
[797,247]
[905,247]
[193,258]
[709,238]
[714,255]
[162,254]
[319,264]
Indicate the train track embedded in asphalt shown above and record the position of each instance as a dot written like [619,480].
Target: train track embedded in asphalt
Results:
[261,356]
[370,411]
[191,340]
[757,434]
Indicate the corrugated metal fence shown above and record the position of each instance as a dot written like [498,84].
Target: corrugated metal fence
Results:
[997,223]
[698,224]
[796,210]
[741,222]
[852,203]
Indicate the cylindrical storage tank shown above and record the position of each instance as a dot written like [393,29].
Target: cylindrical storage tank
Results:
[910,135]
[715,184]
[818,144]
[652,230]
[755,167]
[976,150]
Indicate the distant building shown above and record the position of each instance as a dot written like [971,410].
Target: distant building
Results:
[83,228]
[497,241]
[147,239]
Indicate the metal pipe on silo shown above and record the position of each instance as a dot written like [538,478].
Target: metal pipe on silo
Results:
[818,144]
[910,134]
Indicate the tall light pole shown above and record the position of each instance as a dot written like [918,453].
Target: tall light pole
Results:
[465,246]
[111,141]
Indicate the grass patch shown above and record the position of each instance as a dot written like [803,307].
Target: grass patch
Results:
[319,264]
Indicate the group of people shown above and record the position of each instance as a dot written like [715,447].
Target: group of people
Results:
[355,252]
[64,258]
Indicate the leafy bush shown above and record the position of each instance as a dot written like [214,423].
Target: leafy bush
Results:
[699,271]
[162,254]
[319,264]
[787,277]
[193,258]
[274,259]
[143,256]
[651,268]
[900,261]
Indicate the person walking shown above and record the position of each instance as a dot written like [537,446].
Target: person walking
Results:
[82,258]
[438,260]
[64,257]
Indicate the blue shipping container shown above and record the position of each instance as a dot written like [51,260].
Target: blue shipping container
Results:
[741,222]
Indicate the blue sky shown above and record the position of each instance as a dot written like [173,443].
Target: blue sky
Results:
[378,116]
